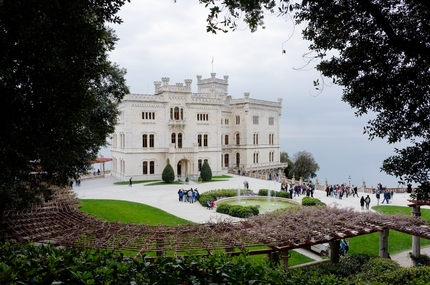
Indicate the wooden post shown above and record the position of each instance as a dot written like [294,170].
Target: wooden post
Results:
[160,246]
[284,257]
[334,251]
[416,247]
[383,243]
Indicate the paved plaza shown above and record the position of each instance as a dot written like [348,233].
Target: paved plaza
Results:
[165,197]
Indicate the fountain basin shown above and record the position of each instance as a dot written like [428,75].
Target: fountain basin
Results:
[261,202]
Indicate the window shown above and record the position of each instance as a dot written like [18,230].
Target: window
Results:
[226,139]
[171,113]
[255,120]
[145,140]
[205,140]
[200,164]
[237,120]
[226,121]
[179,140]
[199,140]
[176,113]
[271,156]
[256,157]
[182,114]
[237,139]
[271,121]
[148,140]
[151,140]
[255,139]
[271,138]
[148,115]
[151,167]
[226,160]
[173,140]
[237,159]
[203,117]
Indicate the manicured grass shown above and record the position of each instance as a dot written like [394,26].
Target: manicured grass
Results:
[129,212]
[397,241]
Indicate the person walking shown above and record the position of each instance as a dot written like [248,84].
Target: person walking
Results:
[378,196]
[130,184]
[367,201]
[362,202]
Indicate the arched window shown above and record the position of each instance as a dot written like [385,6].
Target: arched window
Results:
[205,140]
[171,113]
[179,140]
[173,140]
[226,139]
[176,113]
[182,113]
[199,140]
[151,167]
[237,159]
[237,139]
[151,140]
[226,160]
[145,167]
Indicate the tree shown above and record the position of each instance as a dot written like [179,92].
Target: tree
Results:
[304,165]
[59,93]
[168,174]
[206,171]
[286,159]
[379,52]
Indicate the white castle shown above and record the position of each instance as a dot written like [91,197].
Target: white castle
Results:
[177,127]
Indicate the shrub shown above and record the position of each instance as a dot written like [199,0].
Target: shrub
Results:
[206,197]
[168,174]
[273,193]
[309,201]
[237,210]
[374,267]
[206,172]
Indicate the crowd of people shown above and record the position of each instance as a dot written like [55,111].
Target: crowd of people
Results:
[190,196]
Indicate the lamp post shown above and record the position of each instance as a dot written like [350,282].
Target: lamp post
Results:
[349,179]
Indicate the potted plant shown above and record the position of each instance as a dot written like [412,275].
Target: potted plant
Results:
[200,180]
[186,180]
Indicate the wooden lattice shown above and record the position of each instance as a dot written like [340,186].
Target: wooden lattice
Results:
[59,222]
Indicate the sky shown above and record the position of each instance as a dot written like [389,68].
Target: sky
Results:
[160,38]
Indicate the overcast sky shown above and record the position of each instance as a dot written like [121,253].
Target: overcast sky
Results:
[160,38]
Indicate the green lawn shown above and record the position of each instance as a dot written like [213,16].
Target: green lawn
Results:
[397,241]
[129,212]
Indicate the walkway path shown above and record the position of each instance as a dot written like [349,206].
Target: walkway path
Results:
[165,197]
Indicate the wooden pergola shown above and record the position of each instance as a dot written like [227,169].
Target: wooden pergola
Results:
[59,222]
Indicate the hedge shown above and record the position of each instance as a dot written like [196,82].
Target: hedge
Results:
[238,210]
[273,193]
[309,201]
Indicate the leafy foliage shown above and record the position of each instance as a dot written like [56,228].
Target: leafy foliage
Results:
[206,172]
[168,174]
[304,165]
[309,201]
[273,193]
[56,77]
[378,51]
[28,264]
[213,195]
[238,210]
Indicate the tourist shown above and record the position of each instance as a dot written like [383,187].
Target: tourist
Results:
[130,183]
[386,197]
[362,202]
[190,195]
[344,245]
[378,196]
[180,194]
[185,196]
[367,201]
[355,191]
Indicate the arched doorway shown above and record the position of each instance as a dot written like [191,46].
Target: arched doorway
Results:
[237,159]
[182,168]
